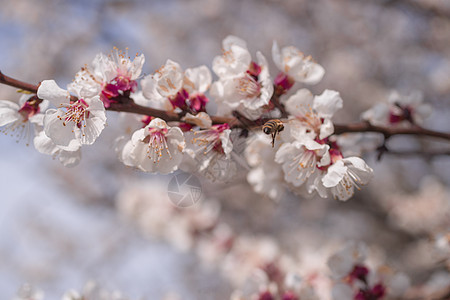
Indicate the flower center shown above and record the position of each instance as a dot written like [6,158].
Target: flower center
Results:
[310,119]
[210,139]
[30,108]
[399,113]
[77,113]
[248,86]
[157,144]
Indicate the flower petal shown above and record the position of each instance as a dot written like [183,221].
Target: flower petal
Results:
[327,103]
[49,90]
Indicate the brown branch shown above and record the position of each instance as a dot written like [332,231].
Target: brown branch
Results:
[125,104]
[389,131]
[424,153]
[18,84]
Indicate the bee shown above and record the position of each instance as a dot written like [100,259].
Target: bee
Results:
[273,127]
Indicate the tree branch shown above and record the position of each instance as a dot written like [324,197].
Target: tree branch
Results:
[126,104]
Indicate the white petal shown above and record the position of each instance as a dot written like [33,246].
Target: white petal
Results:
[94,127]
[342,291]
[199,79]
[276,56]
[328,103]
[314,74]
[95,104]
[49,90]
[227,145]
[201,119]
[138,136]
[170,79]
[300,103]
[126,155]
[44,144]
[157,123]
[231,40]
[326,129]
[9,112]
[69,158]
[377,115]
[61,135]
[149,90]
[137,65]
[334,174]
[360,168]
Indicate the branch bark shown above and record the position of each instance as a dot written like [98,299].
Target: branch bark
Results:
[126,104]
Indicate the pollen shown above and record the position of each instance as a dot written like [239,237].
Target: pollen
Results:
[157,145]
[248,87]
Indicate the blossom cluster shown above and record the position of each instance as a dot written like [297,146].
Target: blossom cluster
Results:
[305,155]
[256,265]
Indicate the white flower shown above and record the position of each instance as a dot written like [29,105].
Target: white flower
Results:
[155,148]
[196,82]
[296,65]
[342,291]
[243,84]
[402,110]
[74,123]
[409,107]
[342,262]
[209,153]
[28,292]
[110,76]
[345,175]
[312,114]
[168,80]
[235,58]
[300,160]
[19,119]
[183,90]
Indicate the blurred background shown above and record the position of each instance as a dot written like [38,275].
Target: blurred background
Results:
[101,221]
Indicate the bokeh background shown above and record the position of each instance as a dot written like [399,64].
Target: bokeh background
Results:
[60,228]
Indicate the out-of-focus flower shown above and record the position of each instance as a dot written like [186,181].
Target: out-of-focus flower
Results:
[74,123]
[430,205]
[266,176]
[402,110]
[28,292]
[355,280]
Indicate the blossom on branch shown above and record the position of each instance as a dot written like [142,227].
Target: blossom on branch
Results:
[155,148]
[244,85]
[20,119]
[110,76]
[401,111]
[294,67]
[185,90]
[74,123]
